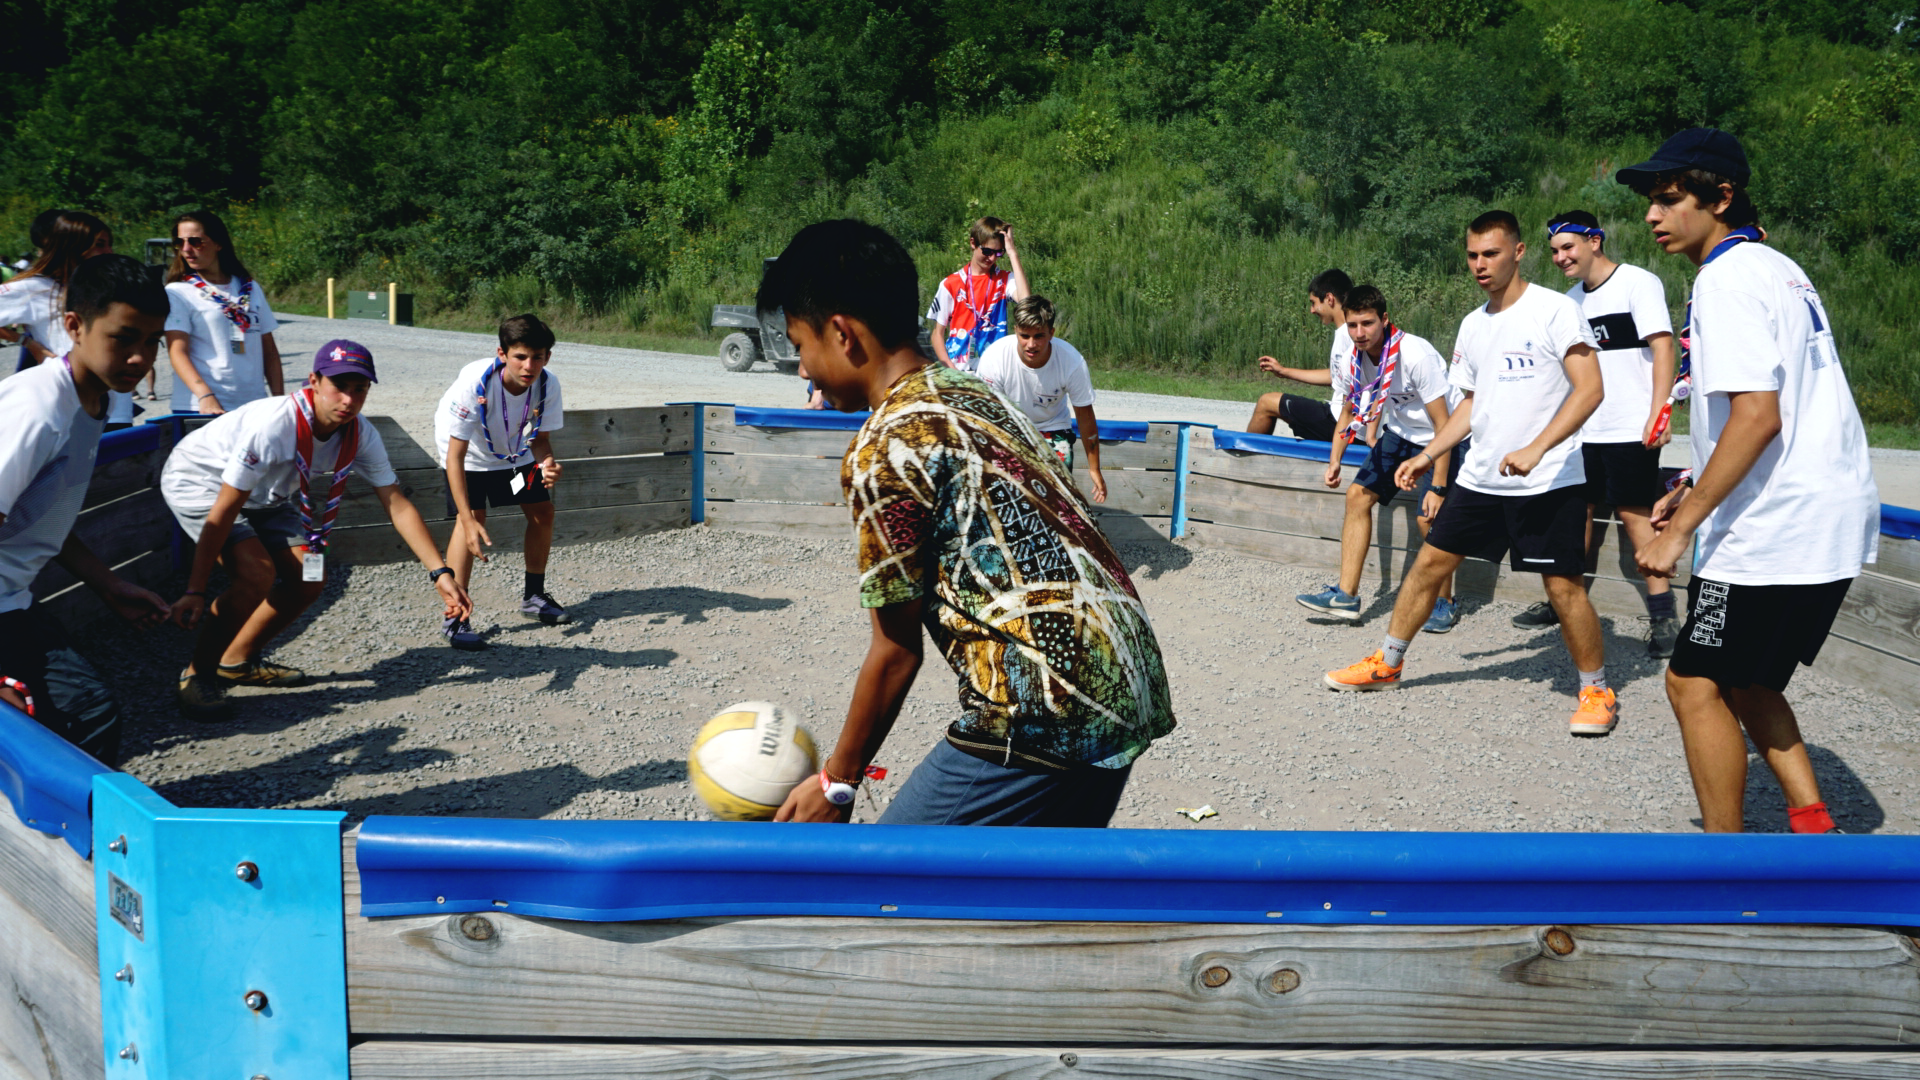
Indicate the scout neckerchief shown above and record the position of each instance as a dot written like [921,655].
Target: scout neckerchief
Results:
[316,531]
[1683,373]
[1368,401]
[529,425]
[239,311]
[979,318]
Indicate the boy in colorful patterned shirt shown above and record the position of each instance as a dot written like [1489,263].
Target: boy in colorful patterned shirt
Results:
[969,310]
[969,525]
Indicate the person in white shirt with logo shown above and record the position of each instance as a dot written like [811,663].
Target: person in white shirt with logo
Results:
[1305,417]
[1529,378]
[258,490]
[1620,447]
[55,412]
[492,428]
[220,333]
[1782,497]
[1043,377]
[1392,394]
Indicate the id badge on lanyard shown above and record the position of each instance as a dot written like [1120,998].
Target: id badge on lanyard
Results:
[239,339]
[313,567]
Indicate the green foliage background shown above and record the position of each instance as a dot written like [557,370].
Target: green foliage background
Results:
[1176,169]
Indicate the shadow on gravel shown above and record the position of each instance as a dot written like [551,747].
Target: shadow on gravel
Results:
[1150,560]
[690,602]
[1853,806]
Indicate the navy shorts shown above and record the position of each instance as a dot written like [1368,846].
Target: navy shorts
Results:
[1376,473]
[494,487]
[1546,533]
[1739,635]
[951,787]
[1622,474]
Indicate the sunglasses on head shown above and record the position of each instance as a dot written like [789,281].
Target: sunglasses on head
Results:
[195,242]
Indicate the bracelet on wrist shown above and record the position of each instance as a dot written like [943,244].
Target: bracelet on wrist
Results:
[828,773]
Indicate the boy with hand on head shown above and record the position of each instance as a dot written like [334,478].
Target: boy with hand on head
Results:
[1525,365]
[968,526]
[969,309]
[258,489]
[1393,394]
[1782,494]
[492,427]
[115,317]
[1619,448]
[1309,418]
[1043,376]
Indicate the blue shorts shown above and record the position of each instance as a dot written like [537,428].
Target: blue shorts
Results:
[951,787]
[1376,474]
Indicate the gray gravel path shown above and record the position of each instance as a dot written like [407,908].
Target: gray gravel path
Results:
[594,719]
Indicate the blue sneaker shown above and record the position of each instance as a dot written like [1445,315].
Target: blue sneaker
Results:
[1443,617]
[1331,601]
[461,636]
[541,606]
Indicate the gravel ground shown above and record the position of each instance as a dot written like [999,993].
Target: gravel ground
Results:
[593,720]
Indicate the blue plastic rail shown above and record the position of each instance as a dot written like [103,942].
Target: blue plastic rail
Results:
[47,779]
[620,870]
[1285,446]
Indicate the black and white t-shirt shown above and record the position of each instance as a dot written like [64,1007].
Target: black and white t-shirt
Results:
[252,448]
[1628,308]
[1514,365]
[459,417]
[1809,510]
[47,449]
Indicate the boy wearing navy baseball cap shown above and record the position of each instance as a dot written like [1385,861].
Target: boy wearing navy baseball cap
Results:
[1781,493]
[257,490]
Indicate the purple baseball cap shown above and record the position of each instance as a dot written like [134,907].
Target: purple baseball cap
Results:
[343,357]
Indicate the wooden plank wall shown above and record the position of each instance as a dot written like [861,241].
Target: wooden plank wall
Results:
[626,471]
[1876,640]
[787,481]
[127,524]
[49,973]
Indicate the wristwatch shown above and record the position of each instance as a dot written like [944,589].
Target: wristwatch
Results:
[433,576]
[1438,489]
[838,793]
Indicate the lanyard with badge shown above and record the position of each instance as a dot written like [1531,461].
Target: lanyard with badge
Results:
[239,311]
[979,318]
[314,566]
[523,433]
[1683,373]
[1369,401]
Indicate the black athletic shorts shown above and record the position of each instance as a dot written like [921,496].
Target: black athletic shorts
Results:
[1546,533]
[1307,418]
[1739,635]
[494,487]
[1622,474]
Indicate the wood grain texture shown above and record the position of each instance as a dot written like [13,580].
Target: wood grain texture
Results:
[49,976]
[374,545]
[118,532]
[584,483]
[126,476]
[766,478]
[382,1059]
[593,433]
[782,519]
[1899,559]
[750,979]
[1882,612]
[1896,678]
[722,436]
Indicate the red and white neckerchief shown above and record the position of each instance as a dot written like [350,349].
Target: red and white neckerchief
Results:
[316,531]
[1370,400]
[26,695]
[238,310]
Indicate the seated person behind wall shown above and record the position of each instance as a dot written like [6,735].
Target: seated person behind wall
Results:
[1044,376]
[1392,392]
[114,317]
[1309,418]
[250,490]
[970,526]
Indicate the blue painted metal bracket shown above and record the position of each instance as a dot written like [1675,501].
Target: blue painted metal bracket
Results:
[620,870]
[47,779]
[697,508]
[1183,445]
[199,911]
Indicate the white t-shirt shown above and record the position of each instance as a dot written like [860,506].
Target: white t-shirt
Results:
[1043,393]
[1514,364]
[1421,377]
[458,417]
[252,448]
[1809,511]
[235,380]
[1629,307]
[35,304]
[47,450]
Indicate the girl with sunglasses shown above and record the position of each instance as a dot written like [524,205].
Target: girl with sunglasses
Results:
[35,298]
[220,332]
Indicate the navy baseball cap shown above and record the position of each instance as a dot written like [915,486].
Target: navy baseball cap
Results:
[1708,149]
[343,357]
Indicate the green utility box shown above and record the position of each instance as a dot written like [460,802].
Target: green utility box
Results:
[363,304]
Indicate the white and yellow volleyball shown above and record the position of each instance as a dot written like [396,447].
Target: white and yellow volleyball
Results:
[746,759]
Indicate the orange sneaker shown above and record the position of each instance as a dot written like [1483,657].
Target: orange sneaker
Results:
[1599,710]
[1369,674]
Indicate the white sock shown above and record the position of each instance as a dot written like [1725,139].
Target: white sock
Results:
[1597,678]
[1395,651]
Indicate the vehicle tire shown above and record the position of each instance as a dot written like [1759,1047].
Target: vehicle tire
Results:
[738,352]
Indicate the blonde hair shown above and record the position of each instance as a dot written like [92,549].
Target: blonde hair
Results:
[1033,312]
